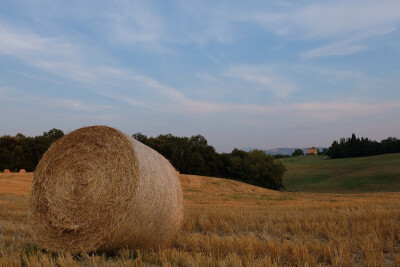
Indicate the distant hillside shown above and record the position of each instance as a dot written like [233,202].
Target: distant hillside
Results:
[364,174]
[281,150]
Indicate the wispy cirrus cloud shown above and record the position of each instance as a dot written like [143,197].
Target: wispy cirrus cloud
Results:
[22,97]
[72,104]
[263,78]
[345,26]
[336,110]
[333,19]
[335,49]
[26,45]
[54,55]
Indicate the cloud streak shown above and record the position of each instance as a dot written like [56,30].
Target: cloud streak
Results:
[340,110]
[346,25]
[335,49]
[264,78]
[76,105]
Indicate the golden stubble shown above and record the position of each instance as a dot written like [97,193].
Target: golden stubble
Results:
[228,223]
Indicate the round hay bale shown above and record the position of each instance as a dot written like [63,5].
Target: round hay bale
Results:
[22,171]
[98,189]
[6,171]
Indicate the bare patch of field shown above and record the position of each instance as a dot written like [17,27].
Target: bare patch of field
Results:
[228,223]
[15,183]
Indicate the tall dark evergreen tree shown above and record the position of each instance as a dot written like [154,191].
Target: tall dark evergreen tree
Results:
[356,147]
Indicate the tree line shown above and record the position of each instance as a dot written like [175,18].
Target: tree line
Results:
[24,152]
[356,147]
[195,156]
[188,155]
[299,152]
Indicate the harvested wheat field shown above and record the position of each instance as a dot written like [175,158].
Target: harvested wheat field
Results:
[228,223]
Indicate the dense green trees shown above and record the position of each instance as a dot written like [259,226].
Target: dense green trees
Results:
[298,152]
[21,152]
[188,155]
[356,147]
[263,170]
[195,156]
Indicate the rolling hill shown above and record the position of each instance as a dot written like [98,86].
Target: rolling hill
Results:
[365,174]
[304,174]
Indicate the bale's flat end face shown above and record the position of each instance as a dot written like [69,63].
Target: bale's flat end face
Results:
[82,189]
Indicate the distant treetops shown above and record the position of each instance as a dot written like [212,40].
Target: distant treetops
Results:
[356,147]
[298,152]
[195,156]
[22,152]
[188,155]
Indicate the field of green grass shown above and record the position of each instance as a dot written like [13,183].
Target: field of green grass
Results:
[350,175]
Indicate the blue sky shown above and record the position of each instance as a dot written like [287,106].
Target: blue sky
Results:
[260,74]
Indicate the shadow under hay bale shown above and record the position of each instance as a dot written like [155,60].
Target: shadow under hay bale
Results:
[97,189]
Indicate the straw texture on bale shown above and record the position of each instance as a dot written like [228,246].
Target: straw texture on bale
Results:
[22,171]
[6,171]
[98,189]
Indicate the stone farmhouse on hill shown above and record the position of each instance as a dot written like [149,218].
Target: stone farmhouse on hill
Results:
[312,151]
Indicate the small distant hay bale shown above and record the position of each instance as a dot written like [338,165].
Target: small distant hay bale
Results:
[6,171]
[22,171]
[97,189]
